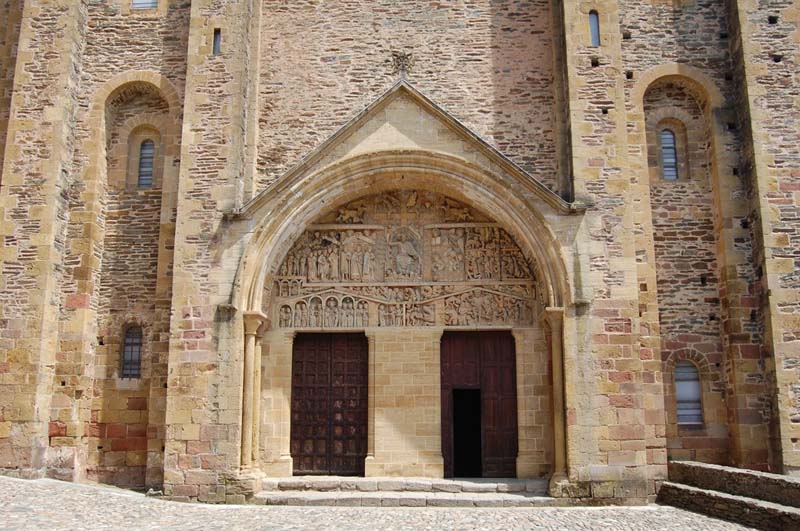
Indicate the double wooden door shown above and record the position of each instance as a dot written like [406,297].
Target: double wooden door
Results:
[329,404]
[485,362]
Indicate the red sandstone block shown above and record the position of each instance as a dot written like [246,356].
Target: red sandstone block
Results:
[194,334]
[212,462]
[621,400]
[114,431]
[752,352]
[137,404]
[95,430]
[78,300]
[4,368]
[620,376]
[198,447]
[57,429]
[618,326]
[789,186]
[129,444]
[626,432]
[137,430]
[186,462]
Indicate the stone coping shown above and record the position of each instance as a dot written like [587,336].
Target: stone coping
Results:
[777,488]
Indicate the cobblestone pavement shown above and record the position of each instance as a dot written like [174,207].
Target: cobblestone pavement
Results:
[51,505]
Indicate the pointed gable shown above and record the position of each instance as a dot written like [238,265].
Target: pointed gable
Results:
[403,119]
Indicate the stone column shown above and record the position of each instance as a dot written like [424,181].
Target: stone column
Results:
[259,352]
[555,320]
[371,399]
[252,323]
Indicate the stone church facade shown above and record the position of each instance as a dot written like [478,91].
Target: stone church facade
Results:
[244,239]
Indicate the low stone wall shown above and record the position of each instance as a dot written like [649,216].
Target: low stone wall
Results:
[775,488]
[747,511]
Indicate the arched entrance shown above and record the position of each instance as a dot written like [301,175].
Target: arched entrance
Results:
[408,260]
[435,246]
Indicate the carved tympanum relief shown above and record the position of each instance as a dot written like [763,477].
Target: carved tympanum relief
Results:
[404,258]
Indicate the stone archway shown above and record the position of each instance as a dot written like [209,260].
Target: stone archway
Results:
[502,199]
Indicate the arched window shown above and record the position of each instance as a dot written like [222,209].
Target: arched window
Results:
[687,393]
[594,27]
[669,156]
[132,353]
[147,152]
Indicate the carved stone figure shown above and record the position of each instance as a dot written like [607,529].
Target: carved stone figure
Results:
[348,313]
[331,313]
[420,315]
[405,256]
[286,317]
[352,213]
[300,315]
[397,255]
[362,314]
[455,211]
[315,313]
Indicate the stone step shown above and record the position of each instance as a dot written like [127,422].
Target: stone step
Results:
[406,499]
[760,514]
[409,484]
[775,488]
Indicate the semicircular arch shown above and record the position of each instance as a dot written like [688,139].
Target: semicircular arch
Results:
[284,211]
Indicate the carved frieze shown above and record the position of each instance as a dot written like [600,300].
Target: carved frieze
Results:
[404,259]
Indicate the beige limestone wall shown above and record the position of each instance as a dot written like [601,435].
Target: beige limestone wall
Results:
[406,371]
[405,403]
[534,403]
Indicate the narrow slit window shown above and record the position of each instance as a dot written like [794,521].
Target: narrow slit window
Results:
[669,156]
[144,4]
[217,43]
[688,394]
[147,152]
[132,353]
[594,27]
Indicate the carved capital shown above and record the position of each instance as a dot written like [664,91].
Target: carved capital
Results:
[255,323]
[554,317]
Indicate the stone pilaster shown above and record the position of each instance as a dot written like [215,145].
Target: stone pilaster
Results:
[766,53]
[33,214]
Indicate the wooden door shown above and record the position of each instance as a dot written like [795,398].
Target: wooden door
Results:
[499,405]
[484,361]
[329,404]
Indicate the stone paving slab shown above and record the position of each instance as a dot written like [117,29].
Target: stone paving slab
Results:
[53,505]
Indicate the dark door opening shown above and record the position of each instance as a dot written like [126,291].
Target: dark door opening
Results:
[467,457]
[484,363]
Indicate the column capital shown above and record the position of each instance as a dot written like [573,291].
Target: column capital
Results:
[553,316]
[255,323]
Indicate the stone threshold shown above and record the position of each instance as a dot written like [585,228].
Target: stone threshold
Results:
[406,492]
[406,484]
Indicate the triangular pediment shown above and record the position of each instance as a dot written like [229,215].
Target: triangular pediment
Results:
[403,119]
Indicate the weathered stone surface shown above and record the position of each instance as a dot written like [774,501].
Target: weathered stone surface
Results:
[439,205]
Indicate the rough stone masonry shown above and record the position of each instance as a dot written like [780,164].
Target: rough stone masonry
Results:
[192,193]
